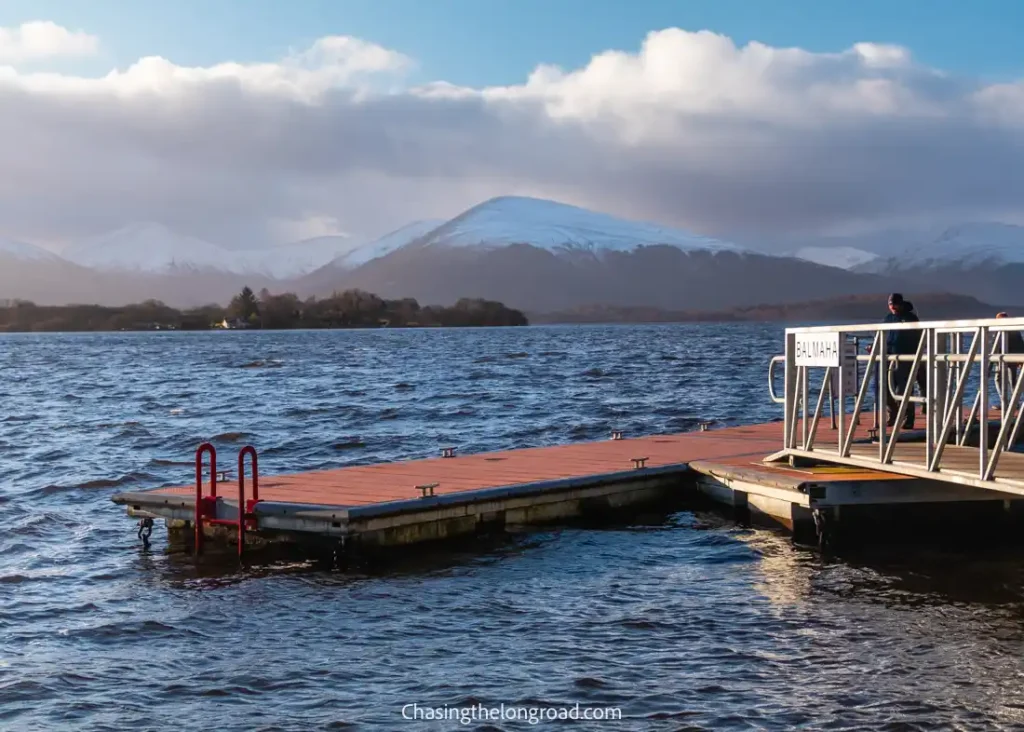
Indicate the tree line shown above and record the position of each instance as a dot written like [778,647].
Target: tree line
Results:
[348,309]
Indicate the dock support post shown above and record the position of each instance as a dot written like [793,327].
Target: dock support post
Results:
[740,507]
[826,526]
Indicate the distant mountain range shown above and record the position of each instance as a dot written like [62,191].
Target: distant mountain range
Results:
[532,254]
[982,260]
[153,249]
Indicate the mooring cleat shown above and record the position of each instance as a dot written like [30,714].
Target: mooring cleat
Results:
[447,452]
[616,434]
[427,489]
[639,462]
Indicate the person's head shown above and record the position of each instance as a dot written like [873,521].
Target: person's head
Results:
[1002,315]
[895,302]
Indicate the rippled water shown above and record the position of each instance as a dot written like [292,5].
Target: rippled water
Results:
[683,622]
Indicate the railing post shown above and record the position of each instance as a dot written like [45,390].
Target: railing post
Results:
[839,420]
[962,367]
[804,389]
[882,392]
[983,399]
[789,376]
[935,401]
[874,412]
[831,394]
[1001,386]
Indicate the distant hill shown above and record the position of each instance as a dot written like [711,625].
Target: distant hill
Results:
[847,309]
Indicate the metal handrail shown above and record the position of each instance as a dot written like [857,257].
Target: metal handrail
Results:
[942,326]
[771,379]
[199,507]
[949,368]
[243,508]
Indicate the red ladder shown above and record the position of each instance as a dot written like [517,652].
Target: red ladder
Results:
[206,506]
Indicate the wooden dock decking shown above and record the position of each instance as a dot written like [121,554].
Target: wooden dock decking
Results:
[411,501]
[416,500]
[387,482]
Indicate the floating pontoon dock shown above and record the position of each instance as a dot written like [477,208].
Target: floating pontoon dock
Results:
[828,458]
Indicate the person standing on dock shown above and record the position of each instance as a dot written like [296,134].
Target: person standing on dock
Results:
[900,343]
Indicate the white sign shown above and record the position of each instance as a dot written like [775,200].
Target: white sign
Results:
[817,349]
[849,369]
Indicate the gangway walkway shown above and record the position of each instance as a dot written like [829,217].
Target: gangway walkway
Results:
[971,401]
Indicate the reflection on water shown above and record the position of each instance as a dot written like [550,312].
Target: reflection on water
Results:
[685,621]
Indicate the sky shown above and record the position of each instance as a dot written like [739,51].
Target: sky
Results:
[259,121]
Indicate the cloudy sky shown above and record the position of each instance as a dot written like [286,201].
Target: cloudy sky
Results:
[259,122]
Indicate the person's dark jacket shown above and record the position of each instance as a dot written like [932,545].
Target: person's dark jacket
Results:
[902,341]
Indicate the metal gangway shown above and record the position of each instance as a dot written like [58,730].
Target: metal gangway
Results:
[971,400]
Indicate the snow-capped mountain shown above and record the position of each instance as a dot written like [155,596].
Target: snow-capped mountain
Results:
[152,248]
[970,245]
[559,228]
[983,260]
[12,249]
[542,256]
[841,257]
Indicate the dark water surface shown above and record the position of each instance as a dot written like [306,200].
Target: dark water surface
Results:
[684,622]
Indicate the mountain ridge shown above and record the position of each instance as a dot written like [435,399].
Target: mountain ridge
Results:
[531,253]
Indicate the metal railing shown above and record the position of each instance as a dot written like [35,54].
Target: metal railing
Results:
[971,379]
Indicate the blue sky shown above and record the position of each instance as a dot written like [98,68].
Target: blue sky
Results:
[483,42]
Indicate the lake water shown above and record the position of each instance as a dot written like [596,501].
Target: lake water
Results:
[685,621]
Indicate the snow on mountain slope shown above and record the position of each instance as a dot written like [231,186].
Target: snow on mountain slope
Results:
[969,245]
[301,257]
[154,249]
[841,257]
[387,243]
[559,228]
[25,252]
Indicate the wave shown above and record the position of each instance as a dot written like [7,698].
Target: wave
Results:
[126,479]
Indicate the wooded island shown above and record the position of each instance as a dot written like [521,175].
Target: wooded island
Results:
[349,309]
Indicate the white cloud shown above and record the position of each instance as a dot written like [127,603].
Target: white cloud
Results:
[42,39]
[690,129]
